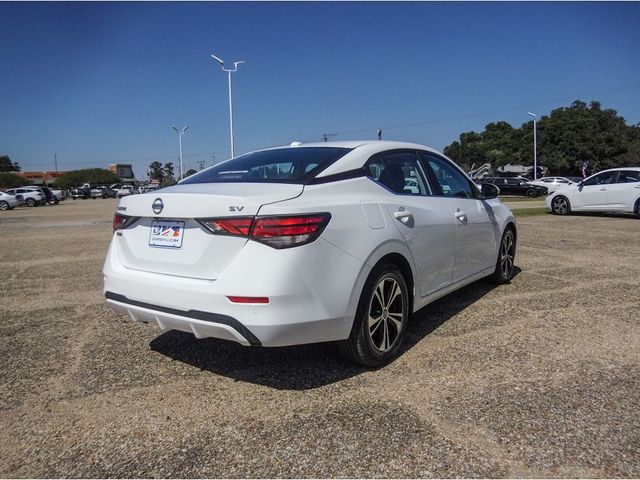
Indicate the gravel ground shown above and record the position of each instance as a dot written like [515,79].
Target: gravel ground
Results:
[539,378]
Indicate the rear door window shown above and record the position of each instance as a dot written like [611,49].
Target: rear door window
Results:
[629,176]
[399,172]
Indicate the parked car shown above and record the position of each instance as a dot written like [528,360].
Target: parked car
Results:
[614,190]
[515,186]
[32,198]
[553,183]
[79,192]
[126,190]
[50,197]
[8,201]
[102,191]
[309,243]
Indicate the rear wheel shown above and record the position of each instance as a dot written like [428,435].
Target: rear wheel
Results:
[30,202]
[561,206]
[381,318]
[4,205]
[506,257]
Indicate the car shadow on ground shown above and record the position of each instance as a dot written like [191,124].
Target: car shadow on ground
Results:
[305,366]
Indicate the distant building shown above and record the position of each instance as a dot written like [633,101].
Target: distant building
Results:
[123,170]
[40,178]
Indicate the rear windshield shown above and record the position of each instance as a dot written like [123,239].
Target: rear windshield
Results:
[282,165]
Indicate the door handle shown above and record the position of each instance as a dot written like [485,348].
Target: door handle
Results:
[637,186]
[603,189]
[461,216]
[403,215]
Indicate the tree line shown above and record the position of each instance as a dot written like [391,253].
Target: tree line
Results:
[566,137]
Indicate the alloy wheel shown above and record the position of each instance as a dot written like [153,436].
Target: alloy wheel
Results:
[4,206]
[386,314]
[507,251]
[560,206]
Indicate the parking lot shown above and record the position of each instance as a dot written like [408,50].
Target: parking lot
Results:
[539,378]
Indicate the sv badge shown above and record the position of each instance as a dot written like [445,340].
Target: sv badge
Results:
[235,209]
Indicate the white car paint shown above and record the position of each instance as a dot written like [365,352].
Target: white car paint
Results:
[313,289]
[8,201]
[552,183]
[35,197]
[613,190]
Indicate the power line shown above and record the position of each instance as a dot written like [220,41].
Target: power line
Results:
[373,129]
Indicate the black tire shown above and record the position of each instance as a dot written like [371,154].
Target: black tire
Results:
[52,202]
[638,207]
[532,193]
[506,257]
[375,343]
[4,205]
[560,205]
[31,202]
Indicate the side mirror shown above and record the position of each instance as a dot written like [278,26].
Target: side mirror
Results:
[489,191]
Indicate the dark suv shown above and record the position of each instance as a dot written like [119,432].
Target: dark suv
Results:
[515,186]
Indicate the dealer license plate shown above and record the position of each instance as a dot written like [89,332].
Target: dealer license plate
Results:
[166,234]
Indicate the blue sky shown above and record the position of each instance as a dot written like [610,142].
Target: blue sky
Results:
[99,83]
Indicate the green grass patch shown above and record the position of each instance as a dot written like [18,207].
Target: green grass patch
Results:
[530,212]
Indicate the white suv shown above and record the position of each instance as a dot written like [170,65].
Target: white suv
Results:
[31,197]
[614,190]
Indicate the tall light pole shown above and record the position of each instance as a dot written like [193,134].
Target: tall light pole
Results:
[229,72]
[180,132]
[535,146]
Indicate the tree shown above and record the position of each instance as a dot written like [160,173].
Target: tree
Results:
[190,172]
[168,174]
[567,137]
[11,180]
[89,175]
[6,165]
[156,171]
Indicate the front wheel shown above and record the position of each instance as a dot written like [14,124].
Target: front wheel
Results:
[381,318]
[561,206]
[506,257]
[4,205]
[532,193]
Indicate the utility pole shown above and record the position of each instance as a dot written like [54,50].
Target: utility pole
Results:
[200,164]
[379,134]
[55,161]
[326,136]
[535,146]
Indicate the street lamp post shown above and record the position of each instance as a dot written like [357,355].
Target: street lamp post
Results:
[229,72]
[535,146]
[180,132]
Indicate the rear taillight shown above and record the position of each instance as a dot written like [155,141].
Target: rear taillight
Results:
[281,231]
[122,221]
[229,226]
[289,231]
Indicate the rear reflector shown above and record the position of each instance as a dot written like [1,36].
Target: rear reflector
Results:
[249,299]
[281,231]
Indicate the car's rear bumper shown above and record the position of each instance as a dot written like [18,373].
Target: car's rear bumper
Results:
[310,296]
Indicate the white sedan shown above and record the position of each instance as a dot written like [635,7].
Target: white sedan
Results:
[337,241]
[614,190]
[8,201]
[554,183]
